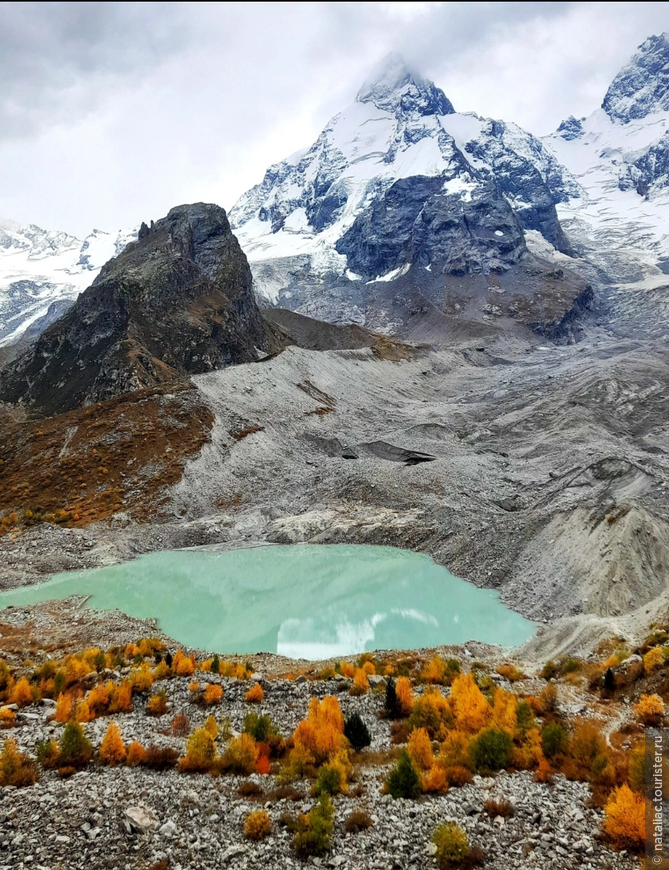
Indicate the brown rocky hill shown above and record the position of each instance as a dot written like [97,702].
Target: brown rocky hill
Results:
[177,302]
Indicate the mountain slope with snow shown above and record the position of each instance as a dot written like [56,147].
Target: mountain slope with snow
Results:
[398,181]
[619,156]
[42,273]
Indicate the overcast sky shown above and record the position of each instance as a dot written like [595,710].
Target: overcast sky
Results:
[111,113]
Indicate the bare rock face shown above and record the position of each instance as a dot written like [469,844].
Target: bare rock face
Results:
[178,301]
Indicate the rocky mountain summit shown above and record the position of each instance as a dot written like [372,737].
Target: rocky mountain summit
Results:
[178,301]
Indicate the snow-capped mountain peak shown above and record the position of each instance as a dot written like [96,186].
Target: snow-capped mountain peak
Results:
[641,88]
[619,155]
[393,87]
[387,175]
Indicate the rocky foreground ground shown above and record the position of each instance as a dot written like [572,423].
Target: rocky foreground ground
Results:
[135,819]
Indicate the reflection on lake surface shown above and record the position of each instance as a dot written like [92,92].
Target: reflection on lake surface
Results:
[302,600]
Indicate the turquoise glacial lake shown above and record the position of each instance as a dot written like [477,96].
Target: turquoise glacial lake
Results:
[299,600]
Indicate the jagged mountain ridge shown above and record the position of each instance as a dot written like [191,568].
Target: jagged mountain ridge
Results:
[178,301]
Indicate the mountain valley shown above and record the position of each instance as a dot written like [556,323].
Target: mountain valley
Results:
[431,331]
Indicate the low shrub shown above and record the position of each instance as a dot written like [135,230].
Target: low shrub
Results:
[356,732]
[211,727]
[452,846]
[331,779]
[498,807]
[544,772]
[649,710]
[7,718]
[510,673]
[548,698]
[212,694]
[250,789]
[257,825]
[136,754]
[435,780]
[458,775]
[255,694]
[587,757]
[47,753]
[653,660]
[357,821]
[180,725]
[491,750]
[141,679]
[160,758]
[16,768]
[399,732]
[314,830]
[570,665]
[67,771]
[262,729]
[439,671]
[637,768]
[403,780]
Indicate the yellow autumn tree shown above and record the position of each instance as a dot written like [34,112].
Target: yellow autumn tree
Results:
[404,694]
[471,711]
[112,748]
[503,712]
[625,822]
[255,694]
[136,754]
[420,749]
[650,709]
[360,682]
[64,710]
[21,694]
[653,660]
[321,734]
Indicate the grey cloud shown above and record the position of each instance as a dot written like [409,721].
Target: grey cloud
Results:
[55,58]
[110,113]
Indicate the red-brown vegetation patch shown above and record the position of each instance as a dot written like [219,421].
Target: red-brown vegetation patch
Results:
[82,466]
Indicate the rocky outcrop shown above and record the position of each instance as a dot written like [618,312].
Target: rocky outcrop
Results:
[641,88]
[178,301]
[648,171]
[418,222]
